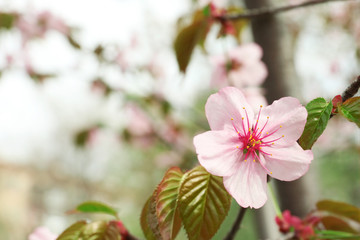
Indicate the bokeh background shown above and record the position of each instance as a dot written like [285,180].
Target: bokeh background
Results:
[93,105]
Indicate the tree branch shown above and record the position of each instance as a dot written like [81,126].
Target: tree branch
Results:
[351,90]
[236,225]
[261,12]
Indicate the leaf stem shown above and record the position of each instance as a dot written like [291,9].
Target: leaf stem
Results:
[236,225]
[260,12]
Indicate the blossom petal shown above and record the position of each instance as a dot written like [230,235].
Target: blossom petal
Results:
[228,104]
[217,151]
[287,163]
[287,117]
[248,184]
[246,53]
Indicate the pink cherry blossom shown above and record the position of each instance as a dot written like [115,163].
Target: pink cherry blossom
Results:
[240,67]
[244,148]
[35,26]
[42,233]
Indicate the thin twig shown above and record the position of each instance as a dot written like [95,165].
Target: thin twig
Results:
[236,225]
[260,12]
[351,90]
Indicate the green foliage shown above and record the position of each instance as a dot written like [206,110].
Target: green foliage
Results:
[100,230]
[166,203]
[197,199]
[95,207]
[7,20]
[318,116]
[330,234]
[73,232]
[350,109]
[188,37]
[204,203]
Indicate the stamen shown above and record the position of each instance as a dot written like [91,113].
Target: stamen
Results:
[247,118]
[257,120]
[263,164]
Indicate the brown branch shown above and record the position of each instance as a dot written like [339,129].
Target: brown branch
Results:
[236,225]
[351,90]
[261,12]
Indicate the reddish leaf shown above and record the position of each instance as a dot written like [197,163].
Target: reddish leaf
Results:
[340,208]
[188,37]
[166,203]
[336,224]
[148,220]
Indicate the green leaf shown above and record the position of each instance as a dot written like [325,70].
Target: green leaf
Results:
[340,208]
[95,207]
[329,234]
[203,203]
[188,37]
[73,232]
[318,116]
[350,109]
[166,203]
[100,230]
[7,20]
[148,220]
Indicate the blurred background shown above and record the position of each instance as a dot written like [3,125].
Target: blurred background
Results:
[93,105]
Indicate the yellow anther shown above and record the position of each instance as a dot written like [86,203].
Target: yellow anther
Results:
[245,160]
[273,143]
[237,132]
[267,132]
[259,147]
[232,119]
[257,120]
[267,117]
[242,118]
[260,132]
[282,136]
[247,147]
[254,160]
[237,146]
[270,154]
[270,172]
[243,107]
[260,105]
[280,126]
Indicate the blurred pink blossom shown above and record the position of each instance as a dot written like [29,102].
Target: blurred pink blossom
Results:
[35,26]
[244,147]
[255,97]
[42,233]
[240,67]
[303,229]
[139,123]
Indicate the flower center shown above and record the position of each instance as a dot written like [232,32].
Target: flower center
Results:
[253,139]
